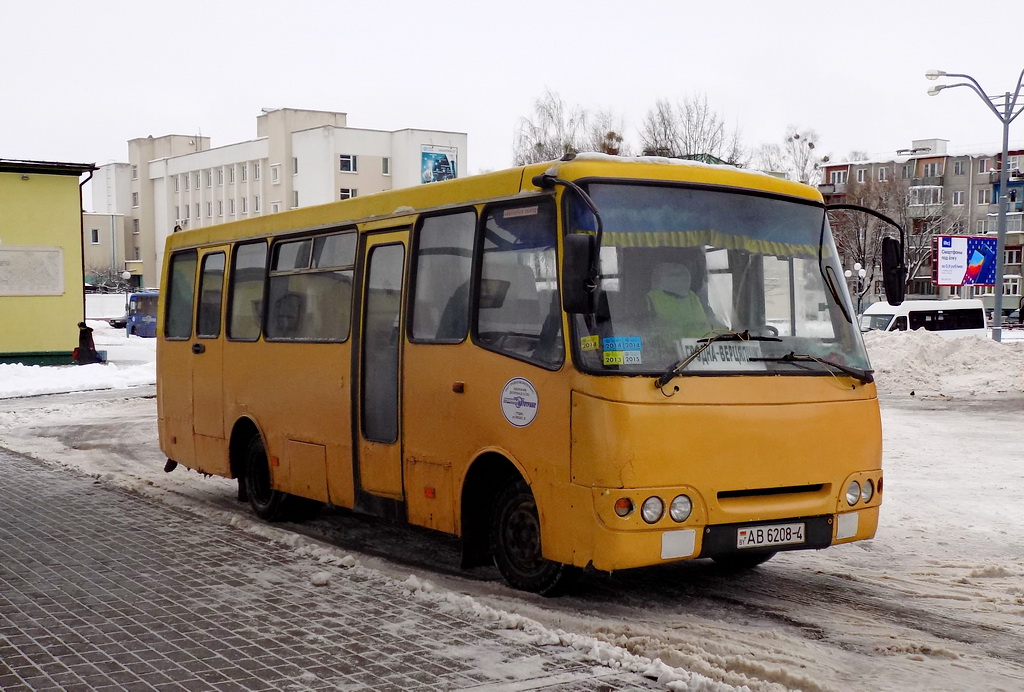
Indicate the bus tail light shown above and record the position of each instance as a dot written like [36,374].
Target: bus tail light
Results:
[652,509]
[623,506]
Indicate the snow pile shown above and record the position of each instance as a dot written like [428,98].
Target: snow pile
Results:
[920,361]
[29,380]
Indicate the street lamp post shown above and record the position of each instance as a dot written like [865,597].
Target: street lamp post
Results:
[860,273]
[1006,116]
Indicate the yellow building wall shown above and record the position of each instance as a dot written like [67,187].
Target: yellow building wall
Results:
[42,211]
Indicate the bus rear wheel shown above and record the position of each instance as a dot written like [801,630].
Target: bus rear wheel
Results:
[515,540]
[267,503]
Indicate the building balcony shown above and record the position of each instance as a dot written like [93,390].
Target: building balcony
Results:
[927,181]
[923,211]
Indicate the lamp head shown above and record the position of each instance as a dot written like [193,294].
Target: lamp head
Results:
[934,74]
[934,91]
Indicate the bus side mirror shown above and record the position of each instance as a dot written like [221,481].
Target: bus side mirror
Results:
[894,271]
[578,290]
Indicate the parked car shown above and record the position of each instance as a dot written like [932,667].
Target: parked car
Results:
[118,322]
[1013,317]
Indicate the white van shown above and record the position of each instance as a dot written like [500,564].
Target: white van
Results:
[960,317]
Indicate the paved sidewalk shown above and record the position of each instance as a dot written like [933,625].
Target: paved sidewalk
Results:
[101,589]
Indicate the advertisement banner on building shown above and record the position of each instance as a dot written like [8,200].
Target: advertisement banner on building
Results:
[965,260]
[438,163]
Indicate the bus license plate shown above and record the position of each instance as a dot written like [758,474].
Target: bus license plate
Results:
[775,534]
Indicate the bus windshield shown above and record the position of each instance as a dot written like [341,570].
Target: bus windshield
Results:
[683,265]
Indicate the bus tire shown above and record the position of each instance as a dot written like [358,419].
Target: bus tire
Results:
[738,563]
[515,541]
[269,504]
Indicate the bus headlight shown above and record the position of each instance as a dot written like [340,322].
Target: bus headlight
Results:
[680,508]
[852,493]
[868,491]
[652,509]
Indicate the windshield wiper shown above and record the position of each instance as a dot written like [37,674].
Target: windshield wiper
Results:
[864,376]
[680,365]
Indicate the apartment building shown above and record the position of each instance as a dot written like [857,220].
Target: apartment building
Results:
[945,193]
[299,158]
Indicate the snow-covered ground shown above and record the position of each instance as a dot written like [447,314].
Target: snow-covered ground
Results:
[935,601]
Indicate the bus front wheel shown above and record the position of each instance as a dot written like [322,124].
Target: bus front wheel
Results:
[515,540]
[267,503]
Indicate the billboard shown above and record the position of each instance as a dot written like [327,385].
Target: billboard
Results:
[965,260]
[438,163]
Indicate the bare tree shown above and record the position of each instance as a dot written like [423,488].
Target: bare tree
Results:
[797,156]
[605,135]
[689,129]
[555,130]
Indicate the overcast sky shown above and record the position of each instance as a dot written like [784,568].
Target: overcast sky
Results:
[80,79]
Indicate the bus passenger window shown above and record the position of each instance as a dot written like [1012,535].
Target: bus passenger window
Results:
[248,276]
[211,288]
[518,310]
[444,258]
[181,292]
[310,294]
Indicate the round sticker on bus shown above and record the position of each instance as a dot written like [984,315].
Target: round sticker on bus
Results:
[519,402]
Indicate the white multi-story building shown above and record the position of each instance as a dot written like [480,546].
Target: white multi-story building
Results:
[299,158]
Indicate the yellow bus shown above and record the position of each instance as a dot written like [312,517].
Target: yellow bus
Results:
[596,362]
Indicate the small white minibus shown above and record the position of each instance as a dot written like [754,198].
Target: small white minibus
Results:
[956,317]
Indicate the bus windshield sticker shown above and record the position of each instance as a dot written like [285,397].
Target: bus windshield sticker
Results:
[622,358]
[519,402]
[722,355]
[519,211]
[622,343]
[590,343]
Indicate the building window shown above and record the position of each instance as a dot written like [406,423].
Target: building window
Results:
[925,195]
[209,210]
[983,165]
[838,177]
[295,199]
[255,170]
[245,172]
[220,176]
[883,174]
[295,165]
[862,175]
[1014,164]
[209,178]
[958,198]
[275,207]
[187,180]
[1011,286]
[930,169]
[980,226]
[94,236]
[256,203]
[137,253]
[177,212]
[985,195]
[1012,256]
[198,180]
[346,193]
[905,173]
[135,226]
[220,207]
[347,163]
[135,172]
[135,199]
[245,205]
[958,167]
[385,166]
[175,183]
[186,211]
[231,174]
[231,206]
[275,174]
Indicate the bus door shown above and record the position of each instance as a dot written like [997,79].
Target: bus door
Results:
[208,346]
[379,455]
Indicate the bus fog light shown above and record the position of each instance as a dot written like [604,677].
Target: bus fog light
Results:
[652,509]
[868,491]
[852,493]
[623,506]
[680,508]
